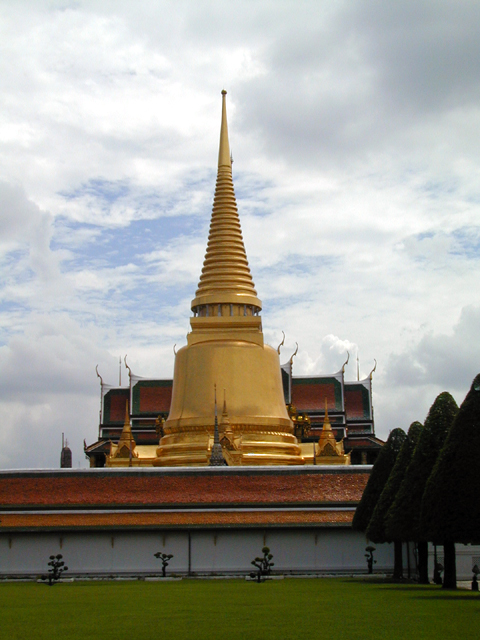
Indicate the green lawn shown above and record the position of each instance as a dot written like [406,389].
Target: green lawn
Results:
[231,609]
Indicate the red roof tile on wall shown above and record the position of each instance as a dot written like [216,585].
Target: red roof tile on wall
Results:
[110,489]
[183,519]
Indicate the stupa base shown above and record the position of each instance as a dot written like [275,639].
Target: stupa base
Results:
[239,449]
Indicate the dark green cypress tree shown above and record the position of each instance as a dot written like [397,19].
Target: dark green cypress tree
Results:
[450,510]
[378,479]
[376,530]
[376,483]
[403,518]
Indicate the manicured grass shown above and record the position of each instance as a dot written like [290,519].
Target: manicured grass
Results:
[230,609]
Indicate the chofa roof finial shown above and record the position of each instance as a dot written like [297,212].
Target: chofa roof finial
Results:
[281,343]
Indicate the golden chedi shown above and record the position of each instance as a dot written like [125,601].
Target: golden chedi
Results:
[225,349]
[328,450]
[126,452]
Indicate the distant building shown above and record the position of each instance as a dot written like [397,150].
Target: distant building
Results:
[66,455]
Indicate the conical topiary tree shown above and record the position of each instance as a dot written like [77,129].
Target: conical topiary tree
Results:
[403,518]
[450,505]
[376,530]
[378,479]
[376,527]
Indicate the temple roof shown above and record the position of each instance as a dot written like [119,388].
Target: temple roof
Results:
[357,402]
[114,401]
[309,393]
[151,397]
[368,442]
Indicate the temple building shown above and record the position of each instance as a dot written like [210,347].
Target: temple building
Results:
[268,416]
[349,406]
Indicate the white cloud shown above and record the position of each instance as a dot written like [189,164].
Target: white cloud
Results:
[450,361]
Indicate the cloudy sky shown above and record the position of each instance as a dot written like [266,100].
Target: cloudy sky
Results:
[354,127]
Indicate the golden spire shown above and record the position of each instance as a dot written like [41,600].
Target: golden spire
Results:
[327,440]
[326,420]
[328,447]
[226,347]
[226,277]
[216,456]
[225,420]
[224,156]
[126,443]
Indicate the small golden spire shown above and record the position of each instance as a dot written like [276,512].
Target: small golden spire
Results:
[327,444]
[126,443]
[216,456]
[327,435]
[328,447]
[225,420]
[228,439]
[326,420]
[126,425]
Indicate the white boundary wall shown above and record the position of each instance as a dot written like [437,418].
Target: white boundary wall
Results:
[467,555]
[328,550]
[196,552]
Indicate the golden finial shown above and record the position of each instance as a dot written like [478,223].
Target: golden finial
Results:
[127,367]
[281,343]
[225,421]
[224,150]
[373,370]
[346,362]
[294,353]
[225,402]
[100,413]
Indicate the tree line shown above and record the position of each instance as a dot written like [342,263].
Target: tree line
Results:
[425,485]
